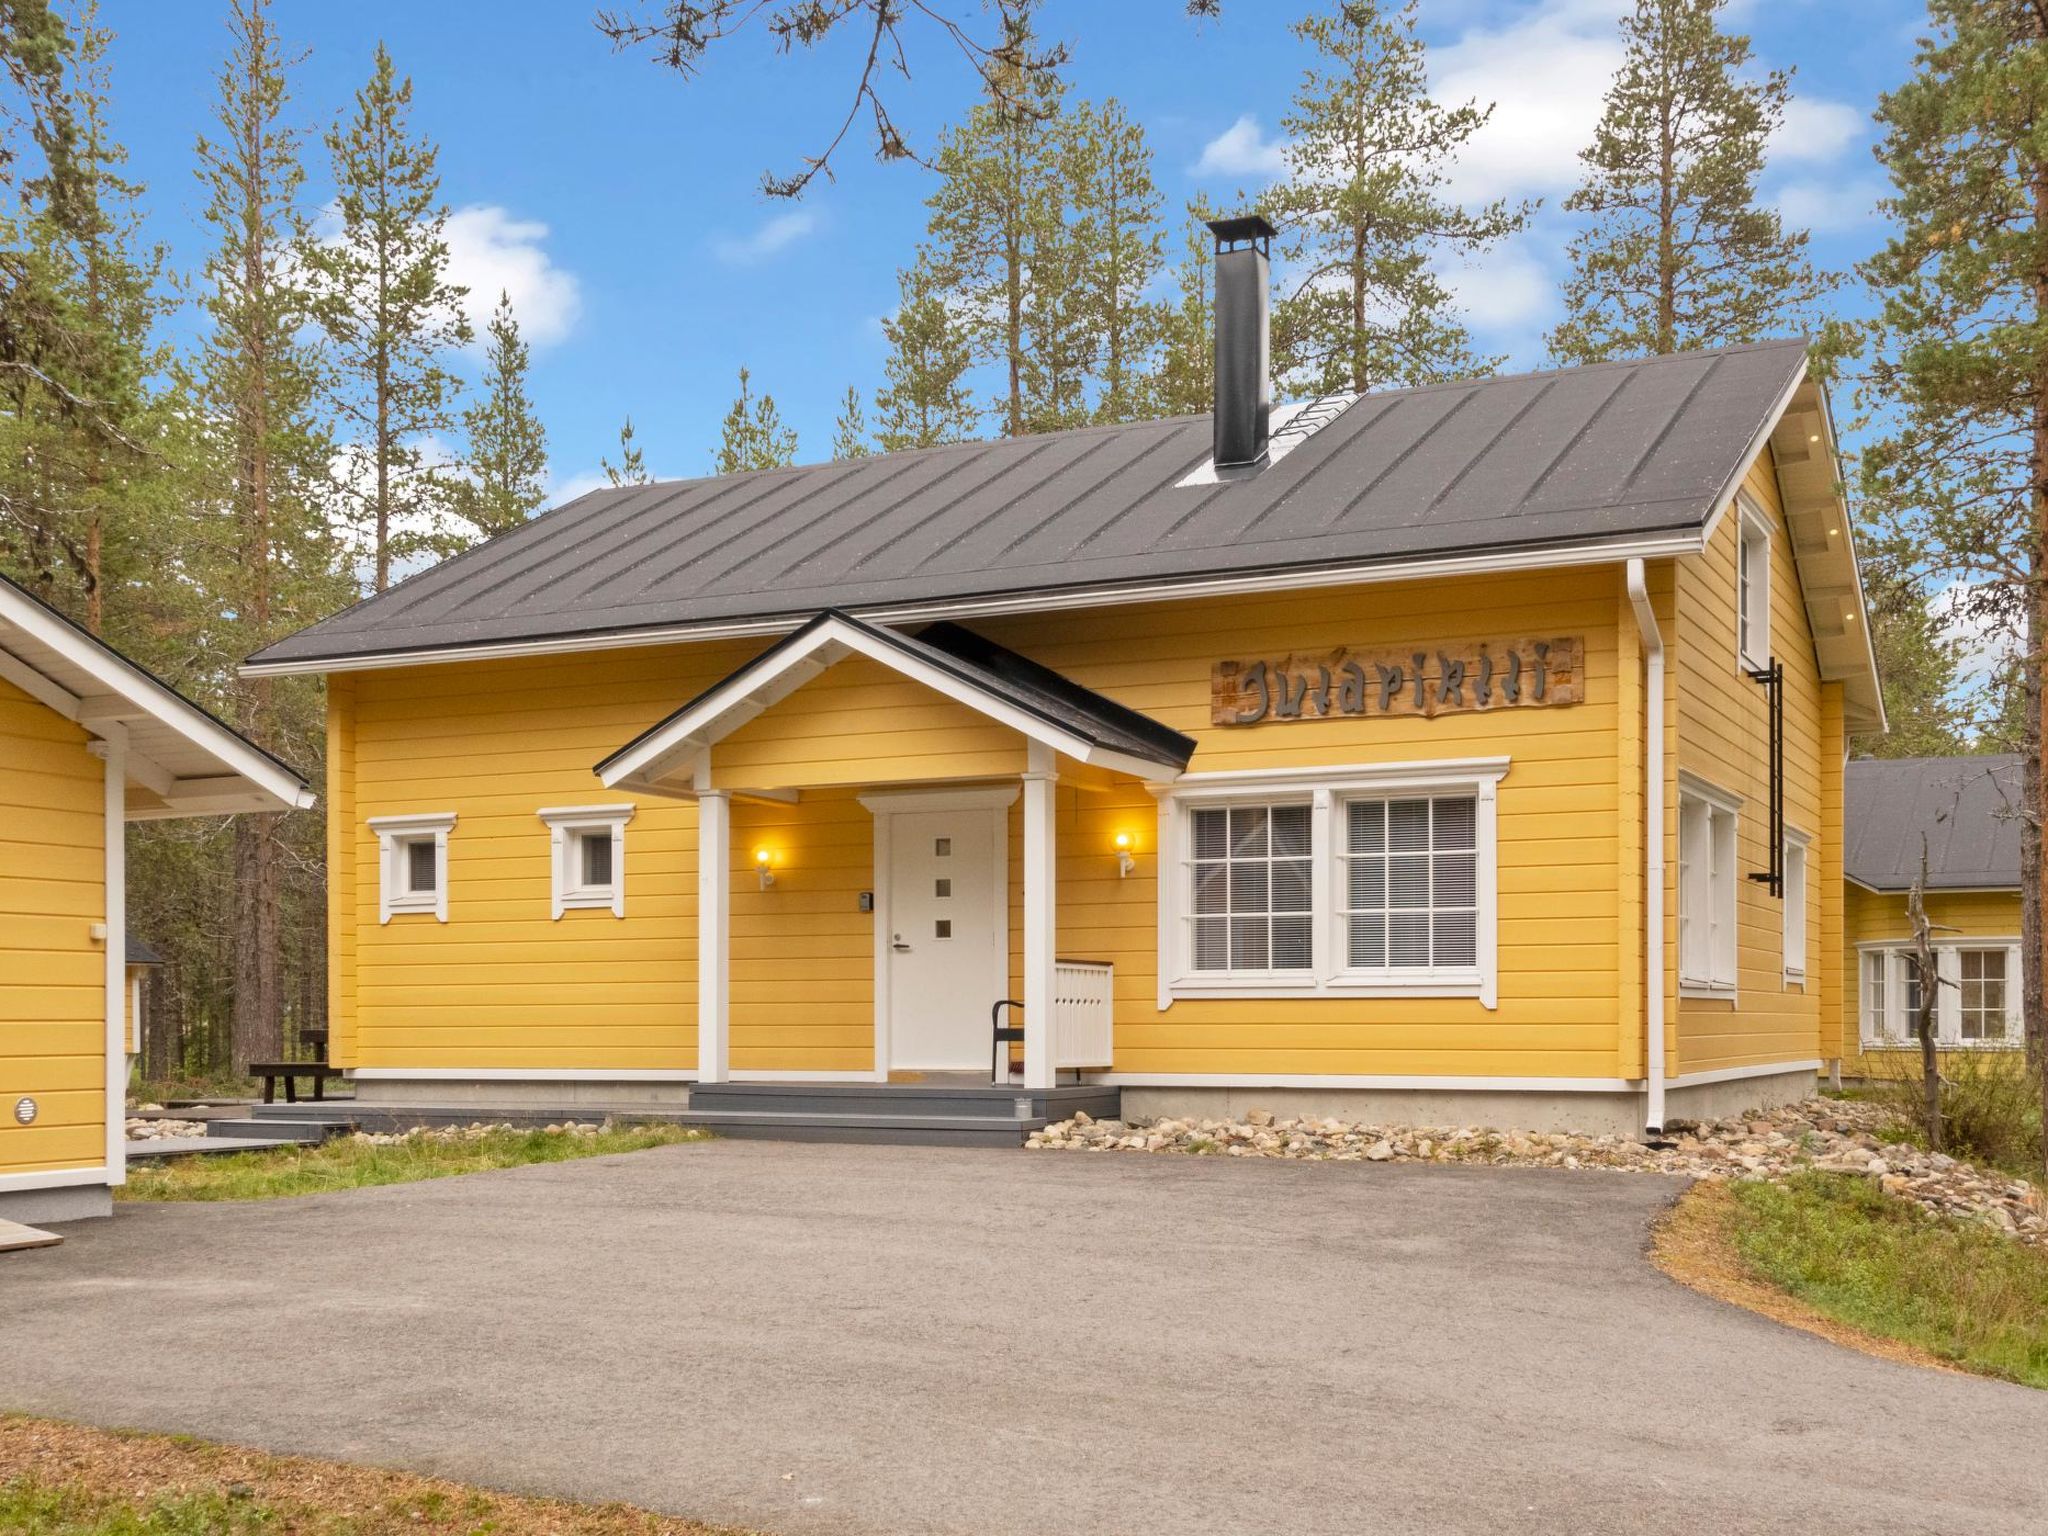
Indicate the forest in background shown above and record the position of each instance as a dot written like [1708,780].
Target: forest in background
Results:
[191,504]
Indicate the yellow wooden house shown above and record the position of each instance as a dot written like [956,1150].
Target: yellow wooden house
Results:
[89,742]
[1470,753]
[1952,824]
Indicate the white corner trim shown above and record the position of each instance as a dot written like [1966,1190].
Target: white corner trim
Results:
[567,893]
[115,757]
[525,1074]
[55,1178]
[392,834]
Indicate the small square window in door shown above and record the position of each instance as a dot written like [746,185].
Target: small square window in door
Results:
[942,888]
[942,847]
[942,928]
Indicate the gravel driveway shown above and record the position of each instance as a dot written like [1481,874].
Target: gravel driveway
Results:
[828,1339]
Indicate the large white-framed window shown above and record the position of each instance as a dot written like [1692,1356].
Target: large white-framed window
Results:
[1707,882]
[1976,1003]
[1795,908]
[588,856]
[412,864]
[1752,587]
[1358,881]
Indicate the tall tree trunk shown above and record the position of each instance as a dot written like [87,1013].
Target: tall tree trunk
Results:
[258,1022]
[2033,938]
[95,600]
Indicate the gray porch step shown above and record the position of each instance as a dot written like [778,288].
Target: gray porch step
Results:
[158,1148]
[941,1100]
[279,1131]
[880,1129]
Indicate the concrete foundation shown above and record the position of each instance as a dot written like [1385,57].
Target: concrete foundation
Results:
[555,1094]
[71,1202]
[1589,1114]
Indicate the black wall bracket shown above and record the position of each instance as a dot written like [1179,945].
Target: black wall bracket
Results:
[1772,680]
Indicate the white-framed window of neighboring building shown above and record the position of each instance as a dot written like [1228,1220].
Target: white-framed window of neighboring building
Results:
[1752,587]
[1707,883]
[412,864]
[588,856]
[1795,909]
[1976,1004]
[1352,882]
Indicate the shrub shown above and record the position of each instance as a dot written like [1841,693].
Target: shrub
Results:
[1990,1102]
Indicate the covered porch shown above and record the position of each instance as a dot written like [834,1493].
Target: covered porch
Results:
[879,852]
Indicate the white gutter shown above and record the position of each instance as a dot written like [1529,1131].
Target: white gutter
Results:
[1653,849]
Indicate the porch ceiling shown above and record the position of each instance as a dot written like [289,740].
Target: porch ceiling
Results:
[673,756]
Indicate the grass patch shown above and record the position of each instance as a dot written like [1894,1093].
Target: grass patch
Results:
[349,1163]
[1835,1255]
[67,1480]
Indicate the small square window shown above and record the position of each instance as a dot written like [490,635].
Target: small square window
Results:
[942,847]
[412,864]
[942,928]
[422,866]
[588,845]
[942,888]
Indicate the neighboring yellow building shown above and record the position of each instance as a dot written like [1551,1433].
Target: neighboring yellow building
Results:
[88,743]
[1952,823]
[1332,768]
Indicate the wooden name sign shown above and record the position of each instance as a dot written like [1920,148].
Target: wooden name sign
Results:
[1414,680]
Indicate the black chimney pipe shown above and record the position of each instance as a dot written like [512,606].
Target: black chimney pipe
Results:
[1244,357]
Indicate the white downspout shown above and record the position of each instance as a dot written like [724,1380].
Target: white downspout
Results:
[1653,848]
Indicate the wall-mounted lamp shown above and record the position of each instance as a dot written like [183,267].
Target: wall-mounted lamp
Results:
[763,862]
[1126,861]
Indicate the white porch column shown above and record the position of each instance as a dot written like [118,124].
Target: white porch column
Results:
[1041,930]
[112,750]
[714,934]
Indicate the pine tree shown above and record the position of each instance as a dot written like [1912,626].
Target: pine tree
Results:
[1364,216]
[390,312]
[926,402]
[752,435]
[1960,373]
[632,466]
[1120,246]
[1677,251]
[1001,255]
[850,431]
[1183,379]
[1919,664]
[508,447]
[271,565]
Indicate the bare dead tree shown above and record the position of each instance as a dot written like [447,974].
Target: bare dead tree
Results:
[1924,1016]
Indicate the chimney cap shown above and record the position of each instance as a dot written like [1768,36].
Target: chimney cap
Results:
[1247,226]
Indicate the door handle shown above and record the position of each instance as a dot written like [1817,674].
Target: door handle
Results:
[899,944]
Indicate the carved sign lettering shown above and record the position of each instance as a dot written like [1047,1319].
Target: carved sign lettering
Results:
[1425,680]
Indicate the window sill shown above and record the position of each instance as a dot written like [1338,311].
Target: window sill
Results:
[1707,992]
[1795,979]
[413,908]
[589,901]
[1191,987]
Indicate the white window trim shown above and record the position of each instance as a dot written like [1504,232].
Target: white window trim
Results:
[393,833]
[1948,999]
[1715,986]
[1795,959]
[1324,789]
[1752,522]
[564,824]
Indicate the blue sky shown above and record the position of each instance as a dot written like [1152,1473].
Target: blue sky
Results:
[621,204]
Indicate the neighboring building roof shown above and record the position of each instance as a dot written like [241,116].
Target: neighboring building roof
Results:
[1613,459]
[957,662]
[1966,808]
[139,953]
[181,761]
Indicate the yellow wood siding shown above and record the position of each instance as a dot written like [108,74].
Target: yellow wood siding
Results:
[1872,917]
[1724,738]
[501,986]
[53,1000]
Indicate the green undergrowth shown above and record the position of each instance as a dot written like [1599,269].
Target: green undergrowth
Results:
[352,1163]
[1881,1264]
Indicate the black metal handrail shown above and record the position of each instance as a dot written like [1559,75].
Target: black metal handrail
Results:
[1004,1038]
[1772,680]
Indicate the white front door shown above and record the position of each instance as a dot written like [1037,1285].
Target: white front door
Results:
[946,939]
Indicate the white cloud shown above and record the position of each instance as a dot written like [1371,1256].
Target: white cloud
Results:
[491,252]
[776,235]
[566,489]
[1242,149]
[1505,294]
[1988,638]
[1830,205]
[1816,130]
[1547,75]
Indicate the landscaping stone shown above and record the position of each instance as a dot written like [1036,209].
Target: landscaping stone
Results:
[1832,1136]
[475,1131]
[156,1129]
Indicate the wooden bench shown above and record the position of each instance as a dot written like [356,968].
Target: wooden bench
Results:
[291,1071]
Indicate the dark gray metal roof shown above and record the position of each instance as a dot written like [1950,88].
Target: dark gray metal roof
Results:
[140,953]
[1607,451]
[1966,806]
[991,669]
